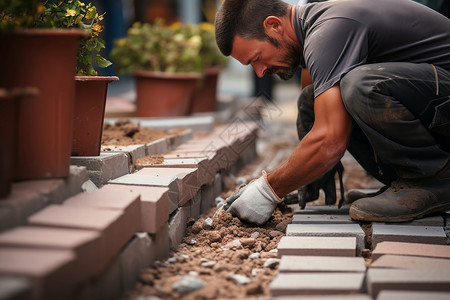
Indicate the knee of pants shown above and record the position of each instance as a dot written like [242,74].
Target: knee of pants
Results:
[353,89]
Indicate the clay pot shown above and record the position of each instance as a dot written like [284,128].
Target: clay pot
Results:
[45,59]
[90,102]
[205,95]
[161,94]
[9,102]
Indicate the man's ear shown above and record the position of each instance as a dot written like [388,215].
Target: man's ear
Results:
[273,24]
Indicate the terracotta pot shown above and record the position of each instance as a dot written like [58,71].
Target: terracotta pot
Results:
[161,94]
[45,59]
[90,101]
[204,98]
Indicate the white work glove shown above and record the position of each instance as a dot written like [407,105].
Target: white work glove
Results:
[253,203]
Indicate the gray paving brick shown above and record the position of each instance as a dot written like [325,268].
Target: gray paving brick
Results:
[322,297]
[157,147]
[403,233]
[133,152]
[321,219]
[14,288]
[437,220]
[316,284]
[412,295]
[405,279]
[319,246]
[322,209]
[195,123]
[300,264]
[414,249]
[177,225]
[410,262]
[328,230]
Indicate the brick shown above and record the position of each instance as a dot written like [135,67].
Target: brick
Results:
[316,284]
[52,273]
[322,209]
[177,226]
[194,123]
[14,287]
[207,194]
[301,264]
[104,167]
[412,295]
[133,152]
[157,147]
[217,185]
[410,262]
[328,230]
[322,297]
[428,221]
[319,246]
[413,249]
[84,244]
[406,279]
[321,219]
[160,243]
[155,204]
[108,285]
[170,182]
[115,233]
[188,184]
[402,233]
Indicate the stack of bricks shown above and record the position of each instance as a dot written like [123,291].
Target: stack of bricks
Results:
[321,256]
[65,243]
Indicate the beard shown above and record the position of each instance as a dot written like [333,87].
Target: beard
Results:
[291,57]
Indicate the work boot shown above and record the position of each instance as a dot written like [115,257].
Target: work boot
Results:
[353,195]
[404,201]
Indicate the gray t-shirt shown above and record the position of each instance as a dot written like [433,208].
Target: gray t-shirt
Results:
[338,36]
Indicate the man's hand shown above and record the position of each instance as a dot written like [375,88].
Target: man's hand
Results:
[253,203]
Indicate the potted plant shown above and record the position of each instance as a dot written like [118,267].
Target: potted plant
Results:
[166,64]
[90,89]
[37,54]
[204,98]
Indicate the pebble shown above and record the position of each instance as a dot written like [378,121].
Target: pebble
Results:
[234,244]
[275,233]
[148,298]
[255,271]
[208,264]
[271,263]
[240,279]
[187,284]
[207,224]
[192,242]
[193,273]
[249,242]
[171,260]
[254,255]
[273,251]
[254,235]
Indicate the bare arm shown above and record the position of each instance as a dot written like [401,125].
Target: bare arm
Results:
[320,149]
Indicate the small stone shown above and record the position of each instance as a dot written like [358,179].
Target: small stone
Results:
[148,298]
[248,242]
[192,242]
[275,233]
[255,271]
[193,273]
[184,256]
[254,255]
[281,226]
[203,260]
[272,263]
[268,255]
[187,284]
[208,264]
[274,251]
[254,235]
[171,260]
[207,224]
[240,279]
[234,244]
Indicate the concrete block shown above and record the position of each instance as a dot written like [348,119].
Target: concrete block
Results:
[301,264]
[329,230]
[157,147]
[321,219]
[412,249]
[407,279]
[177,226]
[133,152]
[207,194]
[412,295]
[195,206]
[14,288]
[316,284]
[109,284]
[194,123]
[410,262]
[217,185]
[322,210]
[155,180]
[318,246]
[155,204]
[403,233]
[160,246]
[52,273]
[104,167]
[111,224]
[188,184]
[179,138]
[436,220]
[85,244]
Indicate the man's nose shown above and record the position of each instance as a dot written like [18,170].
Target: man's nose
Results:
[260,69]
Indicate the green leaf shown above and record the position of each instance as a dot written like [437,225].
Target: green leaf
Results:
[102,62]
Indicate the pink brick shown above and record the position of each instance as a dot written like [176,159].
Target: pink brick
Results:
[85,244]
[115,232]
[311,264]
[111,198]
[409,234]
[410,262]
[412,295]
[155,204]
[414,249]
[53,273]
[188,184]
[318,246]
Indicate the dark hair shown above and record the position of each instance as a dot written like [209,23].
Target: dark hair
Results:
[244,18]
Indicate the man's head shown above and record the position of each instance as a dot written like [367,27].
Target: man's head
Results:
[254,32]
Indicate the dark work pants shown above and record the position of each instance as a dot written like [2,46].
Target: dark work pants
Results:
[401,114]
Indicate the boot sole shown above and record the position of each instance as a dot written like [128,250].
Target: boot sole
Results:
[360,215]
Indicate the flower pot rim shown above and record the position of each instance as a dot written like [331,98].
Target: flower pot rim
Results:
[168,75]
[46,31]
[96,78]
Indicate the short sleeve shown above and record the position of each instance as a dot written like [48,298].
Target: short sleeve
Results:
[333,48]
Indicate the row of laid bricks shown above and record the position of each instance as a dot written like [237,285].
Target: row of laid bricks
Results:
[93,245]
[321,255]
